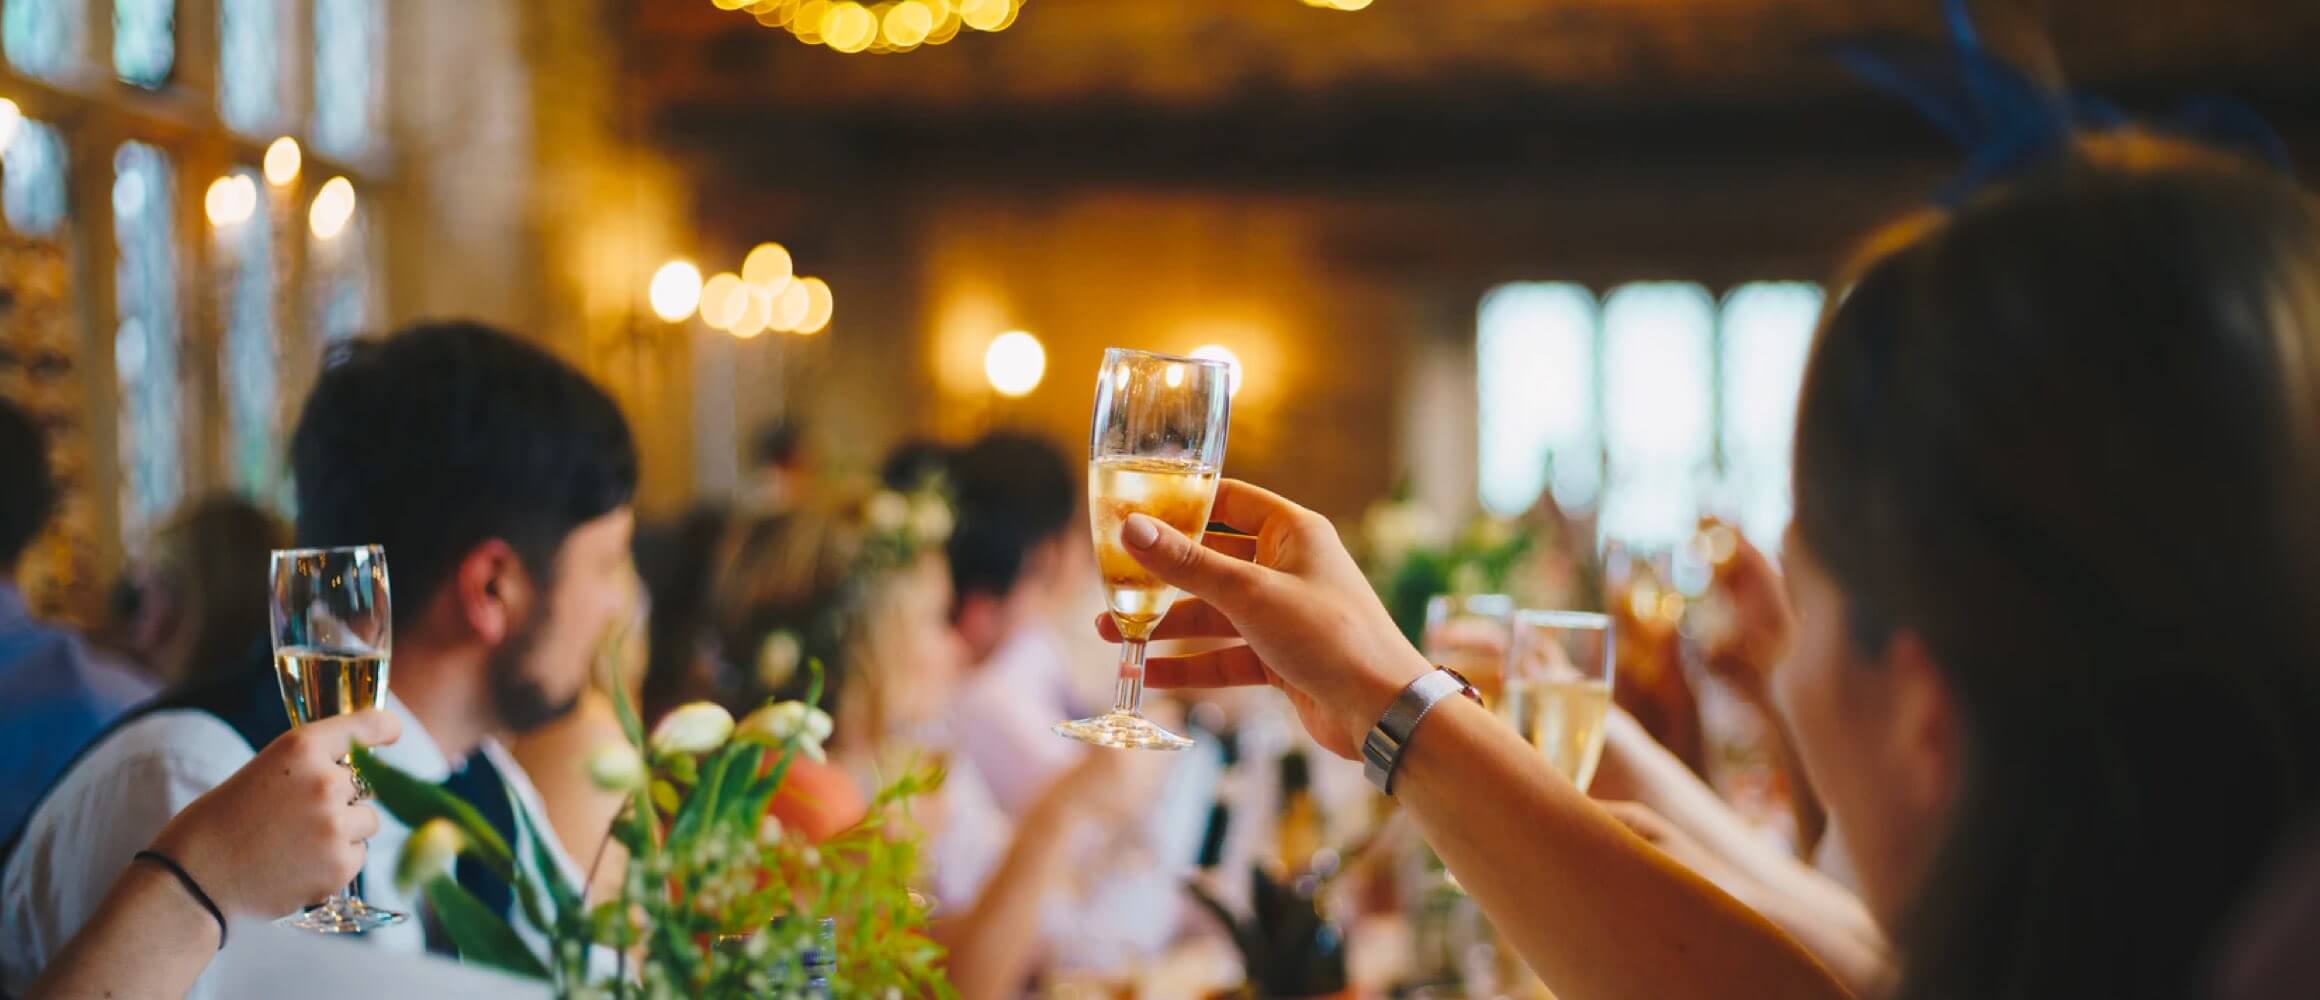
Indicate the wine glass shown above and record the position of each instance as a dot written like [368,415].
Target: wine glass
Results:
[1157,449]
[1469,633]
[333,639]
[1558,687]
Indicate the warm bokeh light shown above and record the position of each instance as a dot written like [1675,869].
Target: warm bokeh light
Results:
[1174,377]
[230,201]
[986,15]
[756,313]
[820,305]
[1014,364]
[333,208]
[283,159]
[676,290]
[723,297]
[11,117]
[1232,364]
[768,266]
[789,308]
[849,27]
[907,24]
[807,24]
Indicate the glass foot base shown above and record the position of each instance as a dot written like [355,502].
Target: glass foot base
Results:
[1126,732]
[343,916]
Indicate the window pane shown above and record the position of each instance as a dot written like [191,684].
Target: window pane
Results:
[1768,329]
[1658,386]
[251,356]
[32,179]
[342,285]
[1535,388]
[42,37]
[144,40]
[346,74]
[250,64]
[146,345]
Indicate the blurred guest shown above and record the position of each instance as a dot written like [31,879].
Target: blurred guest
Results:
[202,593]
[2014,674]
[679,564]
[499,480]
[55,696]
[1012,562]
[781,467]
[862,588]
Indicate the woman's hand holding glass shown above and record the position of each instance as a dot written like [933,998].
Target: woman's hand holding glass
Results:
[1307,620]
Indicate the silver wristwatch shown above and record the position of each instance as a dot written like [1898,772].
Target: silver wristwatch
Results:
[1381,750]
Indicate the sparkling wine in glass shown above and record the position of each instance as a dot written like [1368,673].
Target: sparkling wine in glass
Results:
[333,641]
[1470,633]
[1157,449]
[1558,687]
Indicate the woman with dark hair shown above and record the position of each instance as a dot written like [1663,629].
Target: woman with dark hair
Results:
[2055,570]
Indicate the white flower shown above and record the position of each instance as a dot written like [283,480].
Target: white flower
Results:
[696,728]
[616,767]
[785,723]
[777,659]
[888,512]
[769,831]
[429,854]
[930,520]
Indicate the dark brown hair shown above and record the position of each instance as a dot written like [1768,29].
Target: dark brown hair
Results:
[2067,437]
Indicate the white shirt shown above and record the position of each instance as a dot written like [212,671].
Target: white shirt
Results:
[1005,714]
[112,803]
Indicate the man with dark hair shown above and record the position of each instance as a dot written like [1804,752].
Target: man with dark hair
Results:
[498,479]
[1017,553]
[54,696]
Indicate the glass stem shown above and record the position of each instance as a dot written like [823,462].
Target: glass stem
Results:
[1128,698]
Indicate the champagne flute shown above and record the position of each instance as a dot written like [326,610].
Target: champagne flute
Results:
[1558,687]
[1470,633]
[333,639]
[1156,450]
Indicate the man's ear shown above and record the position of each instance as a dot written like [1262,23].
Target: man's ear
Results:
[491,591]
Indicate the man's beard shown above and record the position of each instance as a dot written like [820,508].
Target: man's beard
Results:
[518,700]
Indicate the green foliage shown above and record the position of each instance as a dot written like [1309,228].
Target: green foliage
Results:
[717,900]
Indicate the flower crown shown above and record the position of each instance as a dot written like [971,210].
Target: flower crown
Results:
[897,528]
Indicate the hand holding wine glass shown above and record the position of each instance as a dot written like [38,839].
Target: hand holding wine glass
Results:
[1308,620]
[1155,451]
[286,830]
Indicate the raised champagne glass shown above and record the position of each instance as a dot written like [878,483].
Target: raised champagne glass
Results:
[1558,687]
[1157,449]
[333,641]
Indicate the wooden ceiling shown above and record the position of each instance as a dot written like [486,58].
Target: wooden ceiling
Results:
[1420,96]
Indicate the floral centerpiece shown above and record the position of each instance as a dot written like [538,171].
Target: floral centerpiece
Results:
[718,899]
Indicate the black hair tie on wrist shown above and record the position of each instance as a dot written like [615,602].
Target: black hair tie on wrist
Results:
[185,879]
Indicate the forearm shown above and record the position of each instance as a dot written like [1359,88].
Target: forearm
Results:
[1597,911]
[1637,768]
[993,944]
[147,939]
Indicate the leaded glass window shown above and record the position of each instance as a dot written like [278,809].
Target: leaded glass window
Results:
[1767,331]
[347,52]
[42,38]
[251,357]
[144,40]
[1656,407]
[145,347]
[342,282]
[250,35]
[32,190]
[1535,386]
